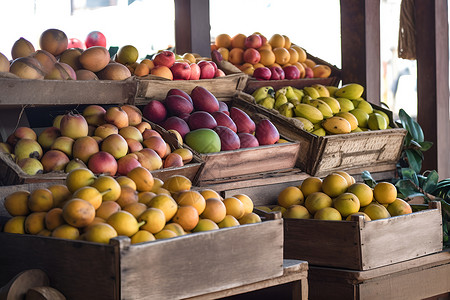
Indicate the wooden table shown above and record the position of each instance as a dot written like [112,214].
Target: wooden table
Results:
[293,284]
[420,278]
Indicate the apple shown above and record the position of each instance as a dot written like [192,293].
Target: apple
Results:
[117,116]
[222,119]
[266,132]
[173,160]
[277,73]
[95,38]
[127,163]
[54,160]
[252,56]
[214,65]
[195,71]
[133,145]
[76,43]
[84,147]
[181,70]
[242,120]
[104,130]
[262,73]
[177,105]
[103,162]
[309,73]
[115,144]
[152,158]
[207,70]
[156,143]
[291,72]
[179,92]
[253,41]
[164,58]
[150,132]
[219,73]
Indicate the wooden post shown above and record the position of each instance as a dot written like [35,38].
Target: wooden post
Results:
[433,82]
[192,27]
[360,43]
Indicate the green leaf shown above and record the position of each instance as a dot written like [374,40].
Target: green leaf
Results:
[425,145]
[408,173]
[431,181]
[407,188]
[414,160]
[412,126]
[415,144]
[408,139]
[367,177]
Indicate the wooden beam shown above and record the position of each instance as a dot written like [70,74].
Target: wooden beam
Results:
[192,28]
[360,43]
[433,82]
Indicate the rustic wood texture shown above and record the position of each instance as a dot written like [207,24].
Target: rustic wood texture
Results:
[78,269]
[207,262]
[418,278]
[156,88]
[52,92]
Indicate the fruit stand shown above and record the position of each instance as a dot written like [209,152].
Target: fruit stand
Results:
[252,173]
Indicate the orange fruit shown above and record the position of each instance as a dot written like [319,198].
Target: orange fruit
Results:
[142,69]
[277,41]
[399,207]
[228,221]
[214,210]
[309,63]
[205,225]
[385,192]
[362,191]
[187,217]
[234,207]
[142,236]
[238,41]
[287,42]
[223,40]
[66,231]
[175,227]
[209,193]
[35,222]
[148,62]
[106,209]
[236,56]
[108,187]
[301,53]
[162,71]
[334,184]
[311,185]
[192,198]
[143,179]
[293,58]
[290,195]
[60,194]
[247,201]
[90,194]
[317,201]
[16,203]
[296,212]
[282,55]
[78,212]
[250,219]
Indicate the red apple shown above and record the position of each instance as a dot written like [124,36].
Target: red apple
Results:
[76,43]
[133,145]
[229,140]
[127,163]
[291,72]
[201,119]
[95,38]
[222,119]
[181,70]
[277,73]
[54,160]
[309,73]
[84,147]
[207,71]
[253,41]
[214,65]
[155,111]
[219,73]
[251,55]
[195,71]
[164,58]
[266,132]
[103,162]
[248,140]
[262,73]
[115,144]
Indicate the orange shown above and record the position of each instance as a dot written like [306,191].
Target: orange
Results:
[311,185]
[267,57]
[362,191]
[334,184]
[78,212]
[228,221]
[301,53]
[310,63]
[350,179]
[238,41]
[236,56]
[165,203]
[223,40]
[60,194]
[187,217]
[296,212]
[385,192]
[399,207]
[143,179]
[290,195]
[234,207]
[282,55]
[90,194]
[192,198]
[162,71]
[266,46]
[205,225]
[142,69]
[287,42]
[66,231]
[247,201]
[214,210]
[293,58]
[209,193]
[250,219]
[277,41]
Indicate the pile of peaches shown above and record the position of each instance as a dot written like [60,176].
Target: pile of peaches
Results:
[268,59]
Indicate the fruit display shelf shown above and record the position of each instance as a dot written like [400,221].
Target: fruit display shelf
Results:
[155,87]
[59,92]
[205,262]
[374,151]
[354,244]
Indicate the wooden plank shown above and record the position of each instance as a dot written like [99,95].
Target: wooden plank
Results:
[53,92]
[431,20]
[360,45]
[207,261]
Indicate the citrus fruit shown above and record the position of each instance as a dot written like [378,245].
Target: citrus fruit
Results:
[311,185]
[234,207]
[316,201]
[214,210]
[66,231]
[16,203]
[250,219]
[165,203]
[334,184]
[205,225]
[192,198]
[142,236]
[363,192]
[100,233]
[328,213]
[399,207]
[296,212]
[376,211]
[385,192]
[228,221]
[289,196]
[346,204]
[187,217]
[78,212]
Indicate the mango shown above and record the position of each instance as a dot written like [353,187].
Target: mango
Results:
[203,140]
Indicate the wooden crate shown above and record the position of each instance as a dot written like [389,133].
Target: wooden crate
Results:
[334,79]
[52,92]
[155,87]
[419,278]
[373,151]
[175,268]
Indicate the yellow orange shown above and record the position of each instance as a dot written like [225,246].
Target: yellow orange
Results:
[192,198]
[142,69]
[385,192]
[250,219]
[187,217]
[175,227]
[15,225]
[234,207]
[177,183]
[282,55]
[205,225]
[293,58]
[362,191]
[165,234]
[238,41]
[228,221]
[334,184]
[214,210]
[247,201]
[162,71]
[108,186]
[223,40]
[311,185]
[277,41]
[236,56]
[209,193]
[301,53]
[16,203]
[287,42]
[399,207]
[296,212]
[290,195]
[142,236]
[310,63]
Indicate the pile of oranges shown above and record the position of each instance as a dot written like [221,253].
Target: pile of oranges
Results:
[277,51]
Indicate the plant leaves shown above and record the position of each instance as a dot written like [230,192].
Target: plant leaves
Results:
[412,126]
[407,188]
[425,145]
[367,177]
[430,183]
[414,160]
[408,173]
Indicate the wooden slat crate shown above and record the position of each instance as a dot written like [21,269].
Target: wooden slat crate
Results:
[354,245]
[420,278]
[373,151]
[52,92]
[333,80]
[222,87]
[175,268]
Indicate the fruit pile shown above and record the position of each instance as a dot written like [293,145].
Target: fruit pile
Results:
[208,125]
[111,141]
[338,197]
[268,59]
[98,208]
[324,110]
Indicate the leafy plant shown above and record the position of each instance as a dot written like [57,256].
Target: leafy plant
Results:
[414,144]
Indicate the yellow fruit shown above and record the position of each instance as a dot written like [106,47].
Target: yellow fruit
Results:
[376,122]
[54,218]
[228,221]
[361,116]
[278,208]
[106,209]
[154,220]
[234,207]
[90,194]
[331,89]
[277,40]
[143,178]
[100,233]
[142,236]
[205,225]
[250,218]
[108,187]
[334,184]
[350,179]
[301,53]
[127,54]
[363,192]
[350,91]
[311,185]
[165,234]
[177,183]
[311,91]
[267,57]
[248,203]
[60,194]
[321,105]
[346,204]
[282,55]
[263,208]
[293,55]
[223,40]
[35,222]
[363,105]
[399,207]
[328,213]
[332,103]
[40,199]
[316,201]
[78,178]
[78,212]
[385,192]
[192,198]
[383,114]
[126,181]
[307,125]
[214,210]
[336,125]
[319,132]
[175,227]
[16,203]
[345,104]
[289,196]
[165,203]
[187,217]
[376,211]
[308,112]
[15,225]
[366,217]
[66,231]
[124,223]
[350,118]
